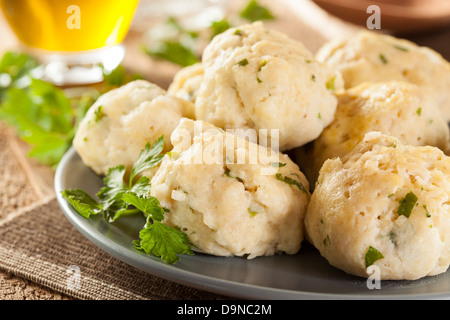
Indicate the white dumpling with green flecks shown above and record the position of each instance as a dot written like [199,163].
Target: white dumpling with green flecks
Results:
[122,121]
[373,57]
[384,205]
[227,203]
[260,78]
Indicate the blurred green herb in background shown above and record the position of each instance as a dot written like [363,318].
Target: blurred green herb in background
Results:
[254,12]
[179,45]
[42,114]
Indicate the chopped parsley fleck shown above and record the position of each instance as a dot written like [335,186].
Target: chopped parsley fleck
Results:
[326,241]
[258,79]
[313,78]
[419,111]
[242,63]
[330,84]
[277,164]
[426,211]
[262,64]
[407,204]
[238,32]
[99,113]
[383,58]
[290,181]
[252,213]
[227,173]
[372,255]
[319,116]
[401,48]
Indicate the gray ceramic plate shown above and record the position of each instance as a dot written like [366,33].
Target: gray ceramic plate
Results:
[303,276]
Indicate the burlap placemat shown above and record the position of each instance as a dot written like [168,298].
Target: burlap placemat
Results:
[39,244]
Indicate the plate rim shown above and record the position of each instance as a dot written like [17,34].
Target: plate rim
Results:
[207,283]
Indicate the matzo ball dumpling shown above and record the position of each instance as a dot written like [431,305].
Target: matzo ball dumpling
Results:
[119,124]
[260,78]
[373,57]
[397,109]
[239,208]
[383,204]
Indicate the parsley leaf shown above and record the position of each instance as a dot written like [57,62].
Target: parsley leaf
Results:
[160,240]
[407,204]
[117,198]
[148,158]
[14,67]
[82,202]
[242,63]
[254,12]
[111,194]
[290,181]
[330,84]
[372,255]
[383,58]
[173,51]
[149,205]
[217,27]
[43,114]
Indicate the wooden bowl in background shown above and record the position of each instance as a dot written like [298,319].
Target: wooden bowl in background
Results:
[399,16]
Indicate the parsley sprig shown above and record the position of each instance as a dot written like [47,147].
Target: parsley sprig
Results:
[174,43]
[44,115]
[121,196]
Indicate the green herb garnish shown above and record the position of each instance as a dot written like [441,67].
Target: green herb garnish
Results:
[44,118]
[372,255]
[218,27]
[252,213]
[407,204]
[426,211]
[227,173]
[43,114]
[419,111]
[383,58]
[242,63]
[326,241]
[261,65]
[98,113]
[278,164]
[173,51]
[254,12]
[290,181]
[330,84]
[118,198]
[401,48]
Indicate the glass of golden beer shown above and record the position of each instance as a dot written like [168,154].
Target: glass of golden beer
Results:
[75,40]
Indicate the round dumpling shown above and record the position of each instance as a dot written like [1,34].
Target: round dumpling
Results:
[122,121]
[398,109]
[384,205]
[186,82]
[373,57]
[226,201]
[260,78]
